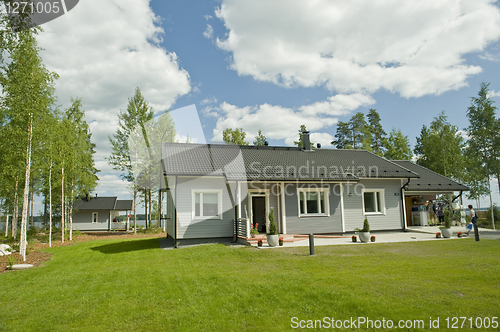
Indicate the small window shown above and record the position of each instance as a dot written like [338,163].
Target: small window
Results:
[373,201]
[207,204]
[94,217]
[313,201]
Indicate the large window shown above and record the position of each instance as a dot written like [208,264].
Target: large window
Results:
[207,204]
[373,201]
[313,201]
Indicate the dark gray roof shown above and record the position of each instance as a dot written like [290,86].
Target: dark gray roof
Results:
[277,163]
[429,180]
[95,203]
[124,205]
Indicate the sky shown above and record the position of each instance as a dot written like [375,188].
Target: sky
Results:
[273,65]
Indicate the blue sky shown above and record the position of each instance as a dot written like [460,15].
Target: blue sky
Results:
[273,65]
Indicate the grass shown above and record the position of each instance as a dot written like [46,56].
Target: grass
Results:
[111,285]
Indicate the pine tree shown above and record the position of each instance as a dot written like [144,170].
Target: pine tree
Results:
[342,140]
[260,139]
[377,133]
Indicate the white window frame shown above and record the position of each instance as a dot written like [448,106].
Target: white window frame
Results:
[96,217]
[206,191]
[382,201]
[326,192]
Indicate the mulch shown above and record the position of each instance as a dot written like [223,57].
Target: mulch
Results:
[37,257]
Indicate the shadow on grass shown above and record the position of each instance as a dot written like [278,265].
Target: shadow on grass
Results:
[127,246]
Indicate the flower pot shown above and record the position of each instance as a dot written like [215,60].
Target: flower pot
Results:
[272,240]
[372,238]
[354,238]
[259,243]
[281,242]
[364,236]
[446,232]
[252,235]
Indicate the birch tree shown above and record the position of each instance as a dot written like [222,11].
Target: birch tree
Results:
[28,94]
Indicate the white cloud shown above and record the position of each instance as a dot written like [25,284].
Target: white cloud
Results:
[209,32]
[276,122]
[338,104]
[490,57]
[492,94]
[209,100]
[412,48]
[102,56]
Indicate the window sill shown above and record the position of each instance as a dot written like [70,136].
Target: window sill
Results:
[374,213]
[314,215]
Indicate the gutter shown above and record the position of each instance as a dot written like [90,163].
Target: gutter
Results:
[457,196]
[175,214]
[403,207]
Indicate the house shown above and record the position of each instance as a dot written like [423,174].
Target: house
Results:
[100,213]
[217,191]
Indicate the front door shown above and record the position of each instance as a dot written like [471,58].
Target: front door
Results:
[259,212]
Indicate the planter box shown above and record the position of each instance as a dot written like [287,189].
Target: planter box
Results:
[446,232]
[272,240]
[364,236]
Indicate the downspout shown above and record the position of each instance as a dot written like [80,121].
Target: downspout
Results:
[175,213]
[459,195]
[403,207]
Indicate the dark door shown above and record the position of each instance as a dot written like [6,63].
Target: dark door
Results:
[259,213]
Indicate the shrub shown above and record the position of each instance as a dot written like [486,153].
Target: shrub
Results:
[273,228]
[366,225]
[447,218]
[496,213]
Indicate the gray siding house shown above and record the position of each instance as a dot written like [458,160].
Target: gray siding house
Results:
[217,191]
[99,213]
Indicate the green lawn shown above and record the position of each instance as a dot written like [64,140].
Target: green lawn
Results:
[133,285]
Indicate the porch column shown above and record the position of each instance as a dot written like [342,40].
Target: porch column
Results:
[238,193]
[405,227]
[342,207]
[283,208]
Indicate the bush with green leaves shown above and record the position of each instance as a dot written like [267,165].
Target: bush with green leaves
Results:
[447,218]
[366,226]
[273,228]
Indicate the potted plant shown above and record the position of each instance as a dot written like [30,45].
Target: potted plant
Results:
[438,235]
[372,238]
[272,236]
[446,230]
[281,241]
[254,230]
[259,243]
[364,233]
[459,234]
[354,238]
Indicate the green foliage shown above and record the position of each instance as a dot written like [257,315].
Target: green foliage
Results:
[273,228]
[378,140]
[341,140]
[260,139]
[440,148]
[366,225]
[447,218]
[398,146]
[300,142]
[10,262]
[234,136]
[496,213]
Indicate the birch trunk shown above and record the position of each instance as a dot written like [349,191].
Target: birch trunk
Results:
[62,203]
[14,214]
[491,205]
[7,224]
[70,214]
[149,197]
[50,204]
[24,217]
[135,215]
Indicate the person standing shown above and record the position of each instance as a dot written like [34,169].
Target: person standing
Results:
[473,218]
[440,213]
[431,209]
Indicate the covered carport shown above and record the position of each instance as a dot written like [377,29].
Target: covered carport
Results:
[417,192]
